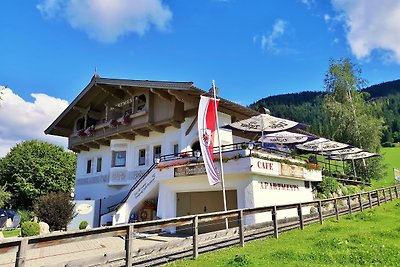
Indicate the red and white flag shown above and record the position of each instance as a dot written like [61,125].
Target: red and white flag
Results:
[206,127]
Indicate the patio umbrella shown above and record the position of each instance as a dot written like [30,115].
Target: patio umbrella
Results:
[263,123]
[354,156]
[285,137]
[345,151]
[321,146]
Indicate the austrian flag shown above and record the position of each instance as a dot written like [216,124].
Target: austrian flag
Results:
[206,128]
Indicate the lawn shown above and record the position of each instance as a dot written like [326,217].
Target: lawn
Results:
[368,238]
[391,157]
[11,233]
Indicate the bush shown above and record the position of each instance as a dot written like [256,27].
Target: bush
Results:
[56,209]
[328,186]
[26,215]
[30,229]
[83,225]
[388,144]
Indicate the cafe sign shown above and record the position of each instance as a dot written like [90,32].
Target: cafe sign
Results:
[292,171]
[189,170]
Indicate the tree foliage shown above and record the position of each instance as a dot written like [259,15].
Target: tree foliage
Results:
[306,107]
[4,197]
[35,168]
[56,209]
[351,119]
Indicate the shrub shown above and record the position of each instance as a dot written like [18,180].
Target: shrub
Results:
[26,215]
[83,225]
[56,209]
[30,229]
[388,144]
[328,186]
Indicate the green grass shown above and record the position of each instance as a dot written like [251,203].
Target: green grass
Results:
[391,157]
[11,233]
[370,238]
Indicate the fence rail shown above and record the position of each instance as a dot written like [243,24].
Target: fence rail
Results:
[238,235]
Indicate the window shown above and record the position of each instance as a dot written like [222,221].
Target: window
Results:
[89,166]
[176,149]
[98,166]
[156,152]
[142,157]
[140,102]
[119,159]
[306,184]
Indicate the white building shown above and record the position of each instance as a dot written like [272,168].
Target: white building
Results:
[119,127]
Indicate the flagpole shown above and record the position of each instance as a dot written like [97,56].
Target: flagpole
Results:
[220,153]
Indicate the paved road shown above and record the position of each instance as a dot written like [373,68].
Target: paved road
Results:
[57,254]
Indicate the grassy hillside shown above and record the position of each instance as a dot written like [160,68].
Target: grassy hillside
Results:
[368,238]
[391,157]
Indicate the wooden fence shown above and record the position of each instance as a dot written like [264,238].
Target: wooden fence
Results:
[333,207]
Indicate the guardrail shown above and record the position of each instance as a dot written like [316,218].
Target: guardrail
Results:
[239,234]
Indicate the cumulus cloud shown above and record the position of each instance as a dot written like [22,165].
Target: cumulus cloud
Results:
[371,25]
[268,42]
[22,120]
[106,20]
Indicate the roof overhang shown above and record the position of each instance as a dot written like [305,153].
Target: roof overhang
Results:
[99,90]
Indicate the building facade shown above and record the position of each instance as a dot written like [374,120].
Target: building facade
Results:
[135,143]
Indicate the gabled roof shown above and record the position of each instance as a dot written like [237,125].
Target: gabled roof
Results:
[94,95]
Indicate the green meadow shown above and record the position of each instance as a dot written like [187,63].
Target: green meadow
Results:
[370,238]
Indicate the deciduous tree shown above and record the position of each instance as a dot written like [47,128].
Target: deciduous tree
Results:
[351,119]
[35,168]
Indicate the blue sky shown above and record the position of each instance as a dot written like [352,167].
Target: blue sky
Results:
[253,49]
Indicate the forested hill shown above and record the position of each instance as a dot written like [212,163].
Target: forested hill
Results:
[305,107]
[377,90]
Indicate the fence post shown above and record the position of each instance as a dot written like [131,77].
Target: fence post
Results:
[384,195]
[195,237]
[241,228]
[275,222]
[320,212]
[390,193]
[336,208]
[21,254]
[349,203]
[370,200]
[360,202]
[378,197]
[129,245]
[300,213]
[395,191]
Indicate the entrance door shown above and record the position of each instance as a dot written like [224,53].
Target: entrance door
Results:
[190,203]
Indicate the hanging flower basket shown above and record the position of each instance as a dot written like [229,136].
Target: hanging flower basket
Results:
[90,131]
[113,123]
[127,120]
[81,133]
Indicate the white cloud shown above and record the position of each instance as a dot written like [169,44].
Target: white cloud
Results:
[327,17]
[21,120]
[106,20]
[308,3]
[371,25]
[268,42]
